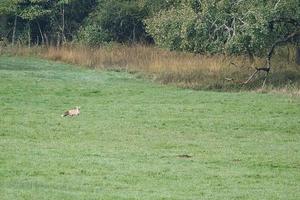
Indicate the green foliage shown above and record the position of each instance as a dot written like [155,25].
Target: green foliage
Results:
[45,17]
[225,26]
[8,6]
[33,12]
[26,9]
[254,30]
[93,35]
[206,26]
[122,19]
[172,28]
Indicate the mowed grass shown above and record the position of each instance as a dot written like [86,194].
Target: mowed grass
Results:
[136,139]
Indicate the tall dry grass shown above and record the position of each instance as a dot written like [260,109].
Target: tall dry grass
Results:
[182,69]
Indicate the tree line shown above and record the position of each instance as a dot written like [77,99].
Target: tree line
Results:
[249,27]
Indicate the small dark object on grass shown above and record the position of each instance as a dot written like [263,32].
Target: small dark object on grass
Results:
[184,156]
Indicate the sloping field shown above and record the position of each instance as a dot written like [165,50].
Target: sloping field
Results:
[138,140]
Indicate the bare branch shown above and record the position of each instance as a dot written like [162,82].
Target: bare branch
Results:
[280,41]
[250,78]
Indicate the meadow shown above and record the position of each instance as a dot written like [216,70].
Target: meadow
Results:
[137,139]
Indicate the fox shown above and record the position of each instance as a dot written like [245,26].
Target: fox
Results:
[72,112]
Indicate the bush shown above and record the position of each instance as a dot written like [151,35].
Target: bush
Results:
[93,35]
[119,20]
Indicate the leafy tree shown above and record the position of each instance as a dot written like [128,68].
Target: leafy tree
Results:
[225,26]
[68,16]
[9,8]
[121,20]
[44,19]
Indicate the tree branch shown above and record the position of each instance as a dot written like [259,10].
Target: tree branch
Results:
[280,41]
[269,56]
[286,20]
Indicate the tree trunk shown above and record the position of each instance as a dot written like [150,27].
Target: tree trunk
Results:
[46,39]
[133,34]
[58,41]
[250,56]
[29,36]
[298,55]
[40,30]
[14,31]
[3,22]
[63,37]
[37,41]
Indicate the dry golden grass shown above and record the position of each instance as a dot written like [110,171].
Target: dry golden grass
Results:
[145,58]
[182,69]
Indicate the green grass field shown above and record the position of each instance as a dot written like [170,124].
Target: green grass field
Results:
[133,136]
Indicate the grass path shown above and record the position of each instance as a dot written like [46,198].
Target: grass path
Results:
[127,142]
